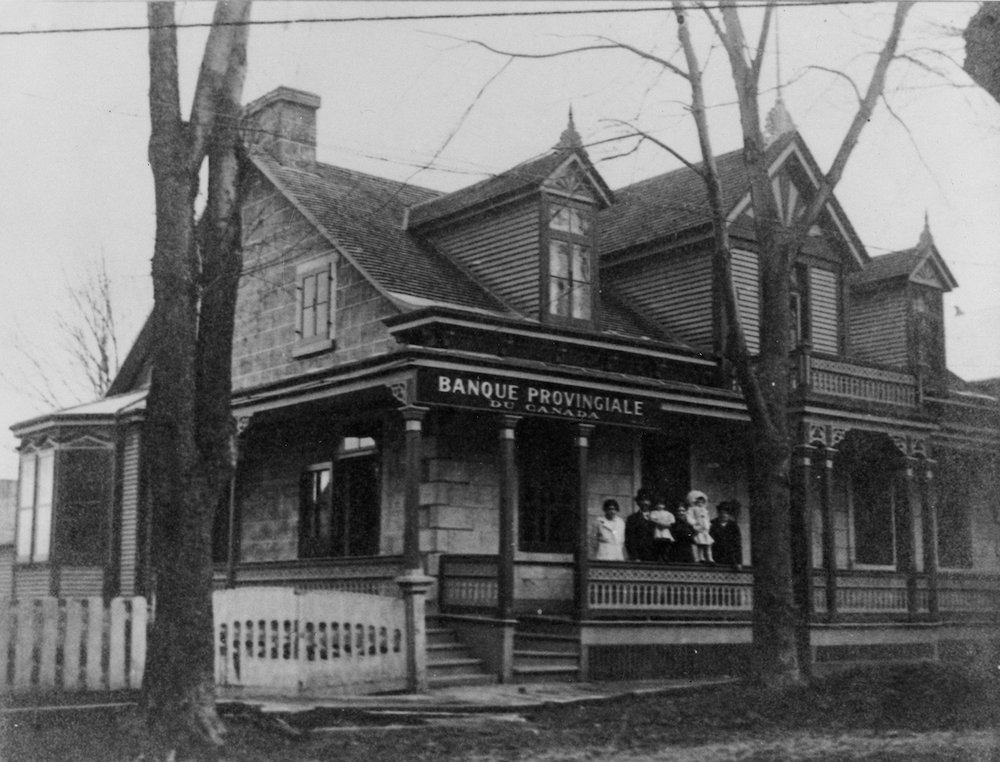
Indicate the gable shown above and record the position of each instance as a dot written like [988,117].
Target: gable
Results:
[574,179]
[794,179]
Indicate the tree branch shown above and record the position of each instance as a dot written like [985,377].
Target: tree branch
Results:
[758,60]
[656,141]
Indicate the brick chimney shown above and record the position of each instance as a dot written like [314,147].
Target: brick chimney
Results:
[283,123]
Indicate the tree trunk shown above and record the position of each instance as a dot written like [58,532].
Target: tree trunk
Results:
[187,431]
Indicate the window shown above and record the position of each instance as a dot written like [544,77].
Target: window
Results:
[549,484]
[339,503]
[34,507]
[315,291]
[570,262]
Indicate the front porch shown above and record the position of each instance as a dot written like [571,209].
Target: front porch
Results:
[641,620]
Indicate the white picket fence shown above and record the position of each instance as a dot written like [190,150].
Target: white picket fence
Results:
[72,644]
[274,640]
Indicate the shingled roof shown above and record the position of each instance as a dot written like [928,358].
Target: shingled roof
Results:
[525,177]
[904,263]
[364,215]
[668,204]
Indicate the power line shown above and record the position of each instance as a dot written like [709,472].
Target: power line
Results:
[427,17]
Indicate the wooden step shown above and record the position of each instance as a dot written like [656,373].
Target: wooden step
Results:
[546,673]
[435,682]
[533,641]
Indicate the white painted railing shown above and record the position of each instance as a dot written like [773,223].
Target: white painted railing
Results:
[276,640]
[72,644]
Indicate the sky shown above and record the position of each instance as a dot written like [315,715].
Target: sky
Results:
[419,100]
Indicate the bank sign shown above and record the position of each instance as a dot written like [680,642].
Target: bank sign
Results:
[515,396]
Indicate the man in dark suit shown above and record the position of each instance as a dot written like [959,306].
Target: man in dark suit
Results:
[639,529]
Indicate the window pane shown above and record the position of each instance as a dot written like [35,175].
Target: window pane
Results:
[308,322]
[581,301]
[43,532]
[580,222]
[309,291]
[27,496]
[24,519]
[559,254]
[45,463]
[322,288]
[581,264]
[560,217]
[559,297]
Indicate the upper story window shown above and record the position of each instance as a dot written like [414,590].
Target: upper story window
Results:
[315,308]
[34,507]
[570,271]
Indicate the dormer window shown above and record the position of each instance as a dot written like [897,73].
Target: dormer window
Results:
[570,272]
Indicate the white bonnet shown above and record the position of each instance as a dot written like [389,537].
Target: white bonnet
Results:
[694,495]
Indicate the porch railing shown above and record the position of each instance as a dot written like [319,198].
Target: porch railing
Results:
[968,594]
[276,640]
[372,575]
[862,382]
[470,583]
[646,588]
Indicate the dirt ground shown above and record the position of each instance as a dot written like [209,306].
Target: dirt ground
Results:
[922,713]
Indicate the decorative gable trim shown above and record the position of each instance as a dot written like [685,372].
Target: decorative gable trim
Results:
[833,209]
[575,179]
[932,271]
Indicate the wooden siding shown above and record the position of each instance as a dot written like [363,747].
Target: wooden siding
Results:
[824,311]
[81,581]
[501,251]
[277,238]
[32,581]
[130,513]
[675,291]
[878,327]
[6,572]
[746,277]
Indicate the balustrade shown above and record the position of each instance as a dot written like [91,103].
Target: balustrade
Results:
[372,575]
[862,382]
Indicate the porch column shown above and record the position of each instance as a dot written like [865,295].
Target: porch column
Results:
[414,417]
[829,536]
[508,496]
[910,491]
[582,579]
[233,527]
[928,501]
[802,509]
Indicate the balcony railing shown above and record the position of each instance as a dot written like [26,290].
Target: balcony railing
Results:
[860,382]
[645,588]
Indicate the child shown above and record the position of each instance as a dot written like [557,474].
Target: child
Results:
[663,539]
[610,534]
[697,516]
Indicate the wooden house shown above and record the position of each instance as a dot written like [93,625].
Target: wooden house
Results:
[456,382]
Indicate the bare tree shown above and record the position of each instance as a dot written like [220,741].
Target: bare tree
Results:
[88,337]
[764,379]
[188,430]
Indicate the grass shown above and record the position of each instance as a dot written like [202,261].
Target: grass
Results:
[917,712]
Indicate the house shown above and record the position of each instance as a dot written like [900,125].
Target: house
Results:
[456,382]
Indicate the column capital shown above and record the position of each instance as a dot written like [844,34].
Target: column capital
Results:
[413,413]
[507,424]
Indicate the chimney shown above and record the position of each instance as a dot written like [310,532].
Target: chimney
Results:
[283,123]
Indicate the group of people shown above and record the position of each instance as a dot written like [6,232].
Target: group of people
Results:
[654,533]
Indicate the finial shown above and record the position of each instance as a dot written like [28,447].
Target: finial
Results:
[779,122]
[570,138]
[925,234]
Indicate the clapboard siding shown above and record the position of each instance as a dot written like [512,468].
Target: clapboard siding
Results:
[878,327]
[130,512]
[6,572]
[746,278]
[501,251]
[676,291]
[80,581]
[32,581]
[824,311]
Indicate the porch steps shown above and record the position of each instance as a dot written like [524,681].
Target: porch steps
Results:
[546,657]
[449,661]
